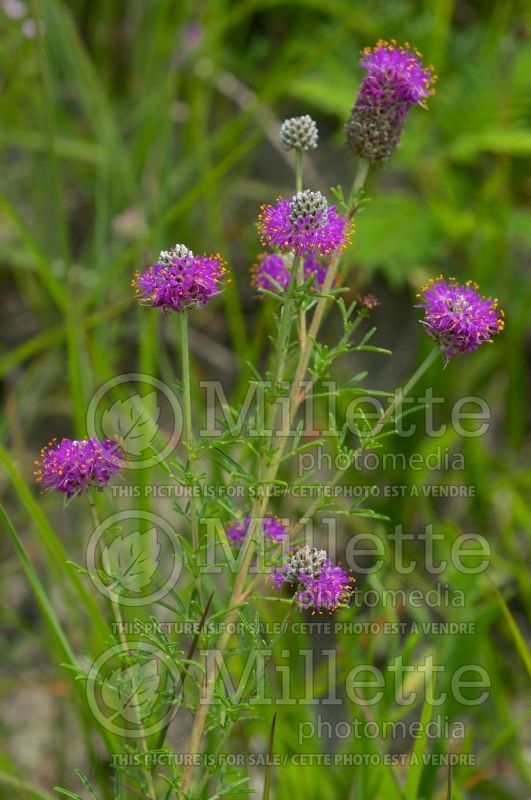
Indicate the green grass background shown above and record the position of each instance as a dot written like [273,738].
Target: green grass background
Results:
[130,125]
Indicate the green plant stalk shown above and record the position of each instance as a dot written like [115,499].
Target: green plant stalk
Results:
[298,169]
[417,375]
[189,437]
[117,613]
[300,271]
[296,395]
[285,326]
[314,507]
[359,180]
[260,506]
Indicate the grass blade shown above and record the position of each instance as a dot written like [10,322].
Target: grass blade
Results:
[519,640]
[415,769]
[39,591]
[269,767]
[53,548]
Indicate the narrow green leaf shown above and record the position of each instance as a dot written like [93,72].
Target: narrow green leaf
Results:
[39,591]
[29,789]
[421,744]
[54,549]
[269,767]
[519,640]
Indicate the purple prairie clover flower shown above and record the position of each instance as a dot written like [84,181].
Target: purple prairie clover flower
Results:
[396,80]
[304,224]
[314,267]
[270,266]
[328,592]
[457,317]
[319,585]
[299,132]
[306,561]
[73,465]
[180,280]
[277,267]
[272,527]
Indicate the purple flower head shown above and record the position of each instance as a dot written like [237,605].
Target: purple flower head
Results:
[319,585]
[304,224]
[396,80]
[277,267]
[457,317]
[314,267]
[328,592]
[273,528]
[74,465]
[179,280]
[270,265]
[395,74]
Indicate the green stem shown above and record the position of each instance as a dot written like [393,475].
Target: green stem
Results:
[284,330]
[268,468]
[275,453]
[300,270]
[296,395]
[401,393]
[298,169]
[189,437]
[359,179]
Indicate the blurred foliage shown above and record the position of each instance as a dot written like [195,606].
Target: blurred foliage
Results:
[130,125]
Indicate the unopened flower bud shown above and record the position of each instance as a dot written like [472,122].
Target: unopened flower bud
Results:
[299,132]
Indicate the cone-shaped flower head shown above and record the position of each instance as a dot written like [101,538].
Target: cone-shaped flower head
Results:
[457,317]
[272,527]
[180,280]
[299,132]
[320,586]
[304,224]
[396,80]
[71,466]
[272,269]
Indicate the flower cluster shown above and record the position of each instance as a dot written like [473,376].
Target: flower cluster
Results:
[396,80]
[319,585]
[180,280]
[457,317]
[272,527]
[304,224]
[273,271]
[73,465]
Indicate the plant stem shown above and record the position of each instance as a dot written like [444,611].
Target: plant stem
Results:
[275,451]
[401,393]
[298,169]
[257,512]
[189,438]
[300,270]
[359,179]
[297,396]
[281,351]
[117,612]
